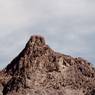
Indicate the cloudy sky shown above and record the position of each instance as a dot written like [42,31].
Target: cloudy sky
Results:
[67,25]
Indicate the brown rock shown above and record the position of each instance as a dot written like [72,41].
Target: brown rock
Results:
[38,70]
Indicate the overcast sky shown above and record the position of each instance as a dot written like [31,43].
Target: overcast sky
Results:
[67,25]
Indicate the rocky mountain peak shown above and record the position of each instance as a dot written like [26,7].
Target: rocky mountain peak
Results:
[38,70]
[34,50]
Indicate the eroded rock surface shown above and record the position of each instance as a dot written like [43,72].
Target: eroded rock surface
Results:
[38,70]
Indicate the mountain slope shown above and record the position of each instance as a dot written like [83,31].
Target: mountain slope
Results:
[38,70]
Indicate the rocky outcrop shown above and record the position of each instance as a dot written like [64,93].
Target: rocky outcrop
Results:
[38,70]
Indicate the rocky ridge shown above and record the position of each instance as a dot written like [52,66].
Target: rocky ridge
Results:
[39,70]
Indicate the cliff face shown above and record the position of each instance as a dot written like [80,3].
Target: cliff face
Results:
[38,70]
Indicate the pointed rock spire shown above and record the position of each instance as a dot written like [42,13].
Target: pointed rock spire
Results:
[36,40]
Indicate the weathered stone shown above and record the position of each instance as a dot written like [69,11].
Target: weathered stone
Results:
[38,70]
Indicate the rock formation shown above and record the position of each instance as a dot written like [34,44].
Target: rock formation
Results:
[38,70]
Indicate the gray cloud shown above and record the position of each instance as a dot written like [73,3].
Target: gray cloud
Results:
[67,25]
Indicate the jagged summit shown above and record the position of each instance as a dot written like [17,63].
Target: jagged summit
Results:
[38,70]
[37,40]
[35,47]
